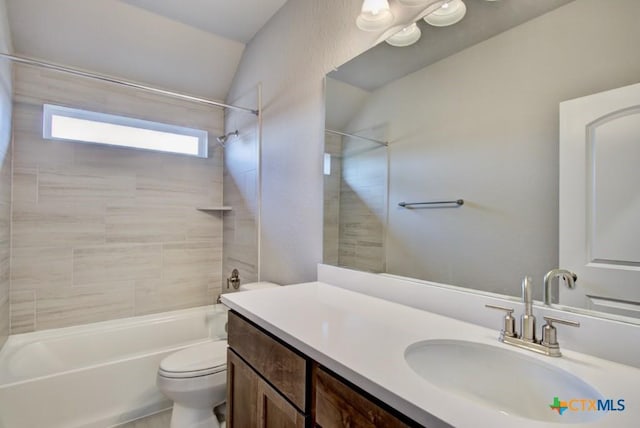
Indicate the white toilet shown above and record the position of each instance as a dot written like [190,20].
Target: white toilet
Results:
[195,379]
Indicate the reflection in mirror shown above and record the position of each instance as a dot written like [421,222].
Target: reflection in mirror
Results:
[355,202]
[471,113]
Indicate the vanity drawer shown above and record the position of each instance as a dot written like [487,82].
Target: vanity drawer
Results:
[337,404]
[279,365]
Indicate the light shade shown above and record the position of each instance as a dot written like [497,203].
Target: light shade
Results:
[375,15]
[405,37]
[447,14]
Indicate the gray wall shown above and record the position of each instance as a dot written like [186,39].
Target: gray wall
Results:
[290,57]
[102,232]
[5,172]
[127,39]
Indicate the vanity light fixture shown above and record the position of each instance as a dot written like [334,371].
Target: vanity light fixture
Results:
[449,13]
[375,15]
[405,37]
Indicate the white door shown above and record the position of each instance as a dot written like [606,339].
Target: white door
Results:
[600,200]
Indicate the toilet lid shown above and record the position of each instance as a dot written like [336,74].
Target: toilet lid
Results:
[197,360]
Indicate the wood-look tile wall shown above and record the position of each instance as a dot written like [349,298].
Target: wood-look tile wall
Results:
[332,184]
[5,195]
[363,204]
[102,232]
[355,203]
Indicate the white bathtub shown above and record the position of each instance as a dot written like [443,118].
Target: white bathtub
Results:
[96,375]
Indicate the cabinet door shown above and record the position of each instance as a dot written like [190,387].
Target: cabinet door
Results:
[253,403]
[274,411]
[279,365]
[242,393]
[338,405]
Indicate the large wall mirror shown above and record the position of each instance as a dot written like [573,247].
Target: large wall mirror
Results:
[472,112]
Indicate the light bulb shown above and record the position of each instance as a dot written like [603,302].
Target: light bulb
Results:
[375,15]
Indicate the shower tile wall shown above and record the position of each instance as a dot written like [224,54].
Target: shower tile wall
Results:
[241,193]
[354,204]
[332,182]
[363,202]
[100,232]
[5,173]
[5,196]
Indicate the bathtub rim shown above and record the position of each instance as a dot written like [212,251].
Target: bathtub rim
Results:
[23,338]
[17,341]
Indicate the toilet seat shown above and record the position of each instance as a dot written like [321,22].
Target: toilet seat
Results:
[195,361]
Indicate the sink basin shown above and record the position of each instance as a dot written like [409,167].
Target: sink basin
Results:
[499,378]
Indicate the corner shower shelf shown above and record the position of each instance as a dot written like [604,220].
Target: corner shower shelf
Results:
[212,209]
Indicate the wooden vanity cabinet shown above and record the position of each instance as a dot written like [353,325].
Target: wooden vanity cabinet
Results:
[242,393]
[337,404]
[266,380]
[252,402]
[270,384]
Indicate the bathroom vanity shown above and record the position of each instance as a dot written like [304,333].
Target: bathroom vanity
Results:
[271,384]
[319,355]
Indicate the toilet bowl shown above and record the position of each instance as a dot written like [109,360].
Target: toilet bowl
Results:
[195,379]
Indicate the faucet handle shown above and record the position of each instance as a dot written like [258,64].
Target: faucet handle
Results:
[549,332]
[509,311]
[550,320]
[509,328]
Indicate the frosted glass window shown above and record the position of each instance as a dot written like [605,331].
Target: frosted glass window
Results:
[327,164]
[82,126]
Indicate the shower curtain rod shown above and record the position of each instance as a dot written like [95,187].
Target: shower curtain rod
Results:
[332,131]
[104,78]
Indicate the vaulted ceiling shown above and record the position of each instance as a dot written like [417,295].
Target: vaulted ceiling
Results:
[192,46]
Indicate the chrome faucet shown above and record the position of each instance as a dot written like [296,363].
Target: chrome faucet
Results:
[528,320]
[548,345]
[569,277]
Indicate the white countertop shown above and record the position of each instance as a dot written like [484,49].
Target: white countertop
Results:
[363,339]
